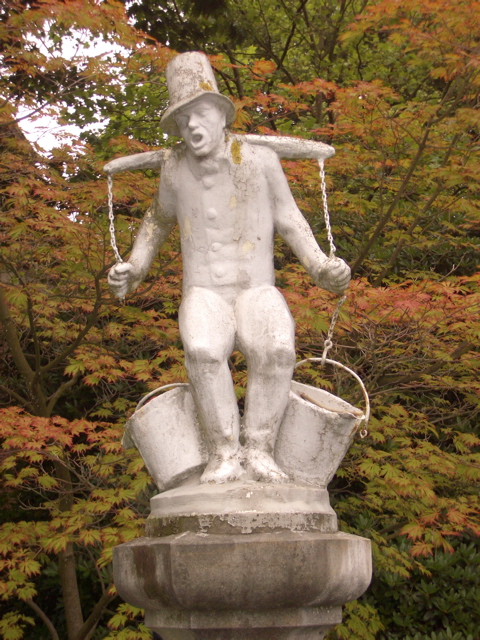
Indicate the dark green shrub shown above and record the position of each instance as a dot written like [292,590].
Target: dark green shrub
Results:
[442,605]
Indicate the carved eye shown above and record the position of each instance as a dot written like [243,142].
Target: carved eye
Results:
[181,120]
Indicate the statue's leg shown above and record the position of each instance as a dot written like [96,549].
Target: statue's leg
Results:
[207,328]
[266,336]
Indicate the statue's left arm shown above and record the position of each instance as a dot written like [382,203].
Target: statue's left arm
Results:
[332,274]
[156,226]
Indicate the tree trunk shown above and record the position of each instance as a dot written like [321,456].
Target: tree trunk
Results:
[71,595]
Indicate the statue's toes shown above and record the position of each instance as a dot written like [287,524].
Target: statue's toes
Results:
[220,470]
[263,467]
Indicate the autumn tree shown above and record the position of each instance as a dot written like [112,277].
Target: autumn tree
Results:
[70,488]
[395,89]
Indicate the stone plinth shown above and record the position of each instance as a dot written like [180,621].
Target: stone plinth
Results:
[285,577]
[268,585]
[241,507]
[286,624]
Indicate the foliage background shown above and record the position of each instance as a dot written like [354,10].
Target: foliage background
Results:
[394,87]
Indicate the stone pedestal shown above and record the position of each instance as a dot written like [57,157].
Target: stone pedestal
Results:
[242,561]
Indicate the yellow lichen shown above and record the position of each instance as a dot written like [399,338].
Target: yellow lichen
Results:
[247,247]
[236,151]
[206,86]
[187,228]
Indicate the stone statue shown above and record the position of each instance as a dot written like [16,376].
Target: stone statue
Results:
[229,198]
[228,552]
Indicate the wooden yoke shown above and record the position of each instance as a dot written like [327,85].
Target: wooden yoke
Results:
[284,147]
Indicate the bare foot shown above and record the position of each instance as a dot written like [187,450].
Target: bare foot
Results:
[263,466]
[221,469]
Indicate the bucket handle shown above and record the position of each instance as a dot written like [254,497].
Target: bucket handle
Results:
[158,390]
[363,432]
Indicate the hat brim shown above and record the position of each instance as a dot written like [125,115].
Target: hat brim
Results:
[169,125]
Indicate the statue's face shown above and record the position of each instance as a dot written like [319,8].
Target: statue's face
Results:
[201,125]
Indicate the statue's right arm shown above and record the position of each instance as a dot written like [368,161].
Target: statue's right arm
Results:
[156,226]
[147,160]
[331,274]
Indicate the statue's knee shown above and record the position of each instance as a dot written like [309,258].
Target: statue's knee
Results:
[280,357]
[201,354]
[286,357]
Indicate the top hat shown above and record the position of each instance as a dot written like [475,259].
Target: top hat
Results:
[189,77]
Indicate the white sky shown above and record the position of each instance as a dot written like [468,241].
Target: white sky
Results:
[44,130]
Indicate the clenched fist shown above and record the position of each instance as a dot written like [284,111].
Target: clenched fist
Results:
[334,275]
[123,278]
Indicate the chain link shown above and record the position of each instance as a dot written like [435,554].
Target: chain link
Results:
[326,213]
[328,344]
[113,241]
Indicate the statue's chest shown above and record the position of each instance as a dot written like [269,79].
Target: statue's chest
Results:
[226,204]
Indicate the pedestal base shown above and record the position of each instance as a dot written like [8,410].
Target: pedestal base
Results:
[282,585]
[285,624]
[240,507]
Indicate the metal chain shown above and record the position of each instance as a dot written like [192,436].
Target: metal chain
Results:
[326,213]
[328,344]
[113,241]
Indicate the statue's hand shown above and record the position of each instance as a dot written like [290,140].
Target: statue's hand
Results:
[123,278]
[114,166]
[334,275]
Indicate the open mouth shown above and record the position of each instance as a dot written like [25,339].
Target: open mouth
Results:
[196,138]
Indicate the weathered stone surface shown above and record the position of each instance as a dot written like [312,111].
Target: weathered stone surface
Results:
[313,437]
[229,197]
[316,432]
[285,624]
[246,546]
[241,507]
[167,433]
[195,572]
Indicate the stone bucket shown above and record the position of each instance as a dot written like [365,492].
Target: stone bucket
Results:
[166,432]
[316,431]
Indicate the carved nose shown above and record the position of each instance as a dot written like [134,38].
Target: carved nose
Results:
[192,122]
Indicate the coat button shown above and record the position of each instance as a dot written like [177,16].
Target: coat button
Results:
[212,213]
[208,182]
[216,246]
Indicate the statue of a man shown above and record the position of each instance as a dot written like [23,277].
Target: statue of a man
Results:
[229,198]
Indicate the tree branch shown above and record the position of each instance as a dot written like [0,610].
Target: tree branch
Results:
[13,342]
[53,98]
[227,79]
[336,31]
[463,348]
[41,614]
[267,47]
[292,31]
[92,319]
[393,258]
[95,615]
[60,391]
[31,321]
[388,214]
[26,403]
[433,120]
[31,318]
